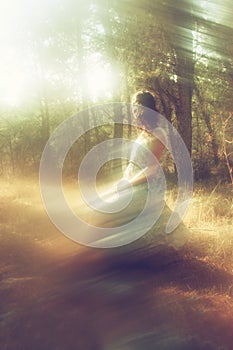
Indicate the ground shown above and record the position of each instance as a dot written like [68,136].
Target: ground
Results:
[56,294]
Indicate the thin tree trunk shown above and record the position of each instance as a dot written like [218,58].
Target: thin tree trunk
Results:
[117,134]
[183,106]
[209,127]
[12,156]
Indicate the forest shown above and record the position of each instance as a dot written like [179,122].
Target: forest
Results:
[77,63]
[91,52]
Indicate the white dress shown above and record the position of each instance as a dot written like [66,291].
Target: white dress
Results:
[143,165]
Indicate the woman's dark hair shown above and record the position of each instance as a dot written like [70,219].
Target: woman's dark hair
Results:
[145,99]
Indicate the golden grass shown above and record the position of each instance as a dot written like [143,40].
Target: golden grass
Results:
[44,274]
[211,206]
[210,221]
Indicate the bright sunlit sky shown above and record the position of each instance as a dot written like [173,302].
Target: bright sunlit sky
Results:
[15,74]
[20,21]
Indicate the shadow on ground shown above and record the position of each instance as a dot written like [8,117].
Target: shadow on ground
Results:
[171,301]
[57,295]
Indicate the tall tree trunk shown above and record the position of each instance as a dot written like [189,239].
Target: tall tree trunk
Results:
[206,118]
[181,25]
[183,106]
[83,93]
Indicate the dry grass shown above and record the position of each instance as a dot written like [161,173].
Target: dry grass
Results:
[210,221]
[58,295]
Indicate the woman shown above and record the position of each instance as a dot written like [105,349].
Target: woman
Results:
[151,138]
[144,218]
[143,169]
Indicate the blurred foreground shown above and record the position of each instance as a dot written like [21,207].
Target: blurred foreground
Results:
[58,295]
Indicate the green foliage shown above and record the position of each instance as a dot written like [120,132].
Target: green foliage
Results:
[182,53]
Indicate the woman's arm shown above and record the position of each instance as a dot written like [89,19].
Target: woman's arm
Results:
[133,174]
